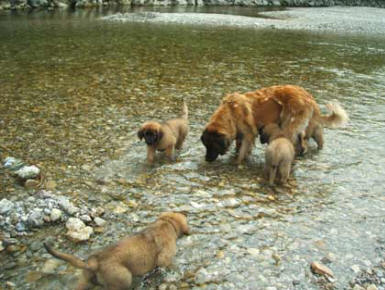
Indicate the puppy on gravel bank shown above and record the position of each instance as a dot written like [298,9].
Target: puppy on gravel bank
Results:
[166,136]
[114,266]
[279,154]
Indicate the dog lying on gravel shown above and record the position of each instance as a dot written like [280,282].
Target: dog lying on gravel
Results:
[166,136]
[114,266]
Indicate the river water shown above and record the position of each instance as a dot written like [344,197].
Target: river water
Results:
[75,89]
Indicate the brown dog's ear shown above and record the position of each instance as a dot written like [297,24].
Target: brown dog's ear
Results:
[160,135]
[141,134]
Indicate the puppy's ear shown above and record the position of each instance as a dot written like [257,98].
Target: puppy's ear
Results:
[141,134]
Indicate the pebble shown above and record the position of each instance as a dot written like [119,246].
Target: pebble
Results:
[55,214]
[28,172]
[50,265]
[321,269]
[253,252]
[77,230]
[10,284]
[85,218]
[36,218]
[5,206]
[355,268]
[372,287]
[99,222]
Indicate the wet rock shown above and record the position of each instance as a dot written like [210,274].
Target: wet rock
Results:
[5,206]
[36,218]
[99,222]
[355,268]
[85,218]
[28,172]
[77,230]
[35,246]
[50,266]
[20,227]
[372,287]
[55,215]
[10,285]
[67,206]
[31,183]
[1,246]
[329,258]
[50,185]
[321,269]
[253,252]
[358,287]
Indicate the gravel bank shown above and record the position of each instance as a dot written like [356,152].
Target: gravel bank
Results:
[337,19]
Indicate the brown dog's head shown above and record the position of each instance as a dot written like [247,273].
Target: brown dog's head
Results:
[216,144]
[151,132]
[179,221]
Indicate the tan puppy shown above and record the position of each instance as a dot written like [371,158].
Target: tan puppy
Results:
[138,254]
[166,136]
[279,154]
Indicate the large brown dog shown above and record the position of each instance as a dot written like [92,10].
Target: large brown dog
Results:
[138,254]
[279,154]
[291,107]
[166,136]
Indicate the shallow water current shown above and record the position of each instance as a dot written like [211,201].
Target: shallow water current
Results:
[75,89]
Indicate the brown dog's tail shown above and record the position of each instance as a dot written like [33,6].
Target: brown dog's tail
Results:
[337,118]
[184,111]
[73,260]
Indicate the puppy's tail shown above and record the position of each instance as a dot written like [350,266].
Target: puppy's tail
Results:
[73,260]
[337,118]
[184,111]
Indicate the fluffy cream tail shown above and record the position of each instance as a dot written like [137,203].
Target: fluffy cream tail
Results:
[337,118]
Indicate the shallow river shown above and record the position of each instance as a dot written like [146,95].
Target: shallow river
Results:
[74,90]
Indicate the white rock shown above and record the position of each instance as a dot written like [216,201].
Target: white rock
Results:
[77,230]
[27,172]
[355,268]
[5,205]
[99,222]
[56,214]
[253,251]
[50,265]
[85,218]
[372,287]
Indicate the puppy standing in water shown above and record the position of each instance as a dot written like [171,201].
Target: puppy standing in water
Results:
[138,254]
[279,154]
[166,136]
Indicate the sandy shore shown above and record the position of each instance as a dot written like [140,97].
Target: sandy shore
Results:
[332,19]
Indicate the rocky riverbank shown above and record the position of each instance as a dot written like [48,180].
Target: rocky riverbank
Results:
[28,4]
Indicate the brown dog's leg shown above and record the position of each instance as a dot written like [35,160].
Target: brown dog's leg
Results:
[170,153]
[318,136]
[284,171]
[115,276]
[246,146]
[166,254]
[84,282]
[150,154]
[180,140]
